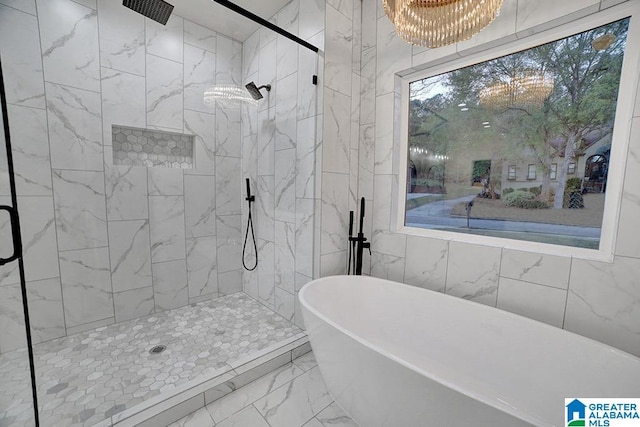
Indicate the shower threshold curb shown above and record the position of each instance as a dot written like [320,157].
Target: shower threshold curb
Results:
[172,405]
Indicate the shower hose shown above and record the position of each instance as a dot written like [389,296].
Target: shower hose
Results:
[253,237]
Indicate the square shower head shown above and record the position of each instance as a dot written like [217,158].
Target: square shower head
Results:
[158,10]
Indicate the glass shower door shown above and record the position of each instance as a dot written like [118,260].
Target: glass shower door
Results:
[17,395]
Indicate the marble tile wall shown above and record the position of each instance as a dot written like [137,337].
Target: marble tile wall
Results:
[105,243]
[597,299]
[281,139]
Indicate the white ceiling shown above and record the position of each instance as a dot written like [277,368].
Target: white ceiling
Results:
[217,17]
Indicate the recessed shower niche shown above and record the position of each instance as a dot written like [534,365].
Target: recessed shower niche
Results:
[151,148]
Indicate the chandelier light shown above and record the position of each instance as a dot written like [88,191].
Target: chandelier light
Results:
[435,23]
[232,95]
[527,89]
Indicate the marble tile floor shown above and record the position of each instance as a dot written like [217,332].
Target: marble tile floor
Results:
[291,396]
[88,377]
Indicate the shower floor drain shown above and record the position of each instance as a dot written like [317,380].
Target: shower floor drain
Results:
[158,349]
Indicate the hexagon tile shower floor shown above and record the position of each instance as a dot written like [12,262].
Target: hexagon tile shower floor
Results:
[88,377]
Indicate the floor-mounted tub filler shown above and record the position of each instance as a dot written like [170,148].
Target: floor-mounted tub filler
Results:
[397,355]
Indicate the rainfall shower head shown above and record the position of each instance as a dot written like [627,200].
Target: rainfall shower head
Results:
[158,10]
[255,91]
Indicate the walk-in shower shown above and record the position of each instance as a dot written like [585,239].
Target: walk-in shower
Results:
[132,214]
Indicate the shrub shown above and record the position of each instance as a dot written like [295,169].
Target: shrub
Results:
[534,204]
[517,197]
[573,193]
[507,191]
[536,190]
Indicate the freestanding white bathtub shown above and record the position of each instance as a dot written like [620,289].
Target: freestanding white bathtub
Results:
[401,356]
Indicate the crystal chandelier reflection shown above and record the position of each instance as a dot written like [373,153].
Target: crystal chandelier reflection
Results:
[435,23]
[228,94]
[527,89]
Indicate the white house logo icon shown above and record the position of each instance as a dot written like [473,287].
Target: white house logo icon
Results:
[576,413]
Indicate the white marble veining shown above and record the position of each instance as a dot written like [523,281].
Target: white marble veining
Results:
[386,266]
[604,301]
[69,43]
[337,132]
[285,185]
[165,41]
[165,182]
[75,136]
[426,263]
[626,242]
[126,192]
[393,55]
[200,205]
[229,244]
[285,249]
[22,61]
[543,303]
[166,217]
[202,126]
[366,161]
[286,116]
[284,303]
[45,309]
[266,141]
[129,254]
[37,228]
[384,134]
[250,58]
[123,102]
[31,161]
[304,236]
[498,31]
[80,209]
[264,208]
[28,6]
[382,239]
[228,189]
[266,280]
[134,303]
[199,75]
[228,131]
[530,15]
[306,144]
[11,318]
[164,93]
[308,21]
[473,272]
[86,286]
[307,94]
[338,51]
[335,203]
[170,289]
[308,396]
[267,71]
[229,282]
[199,36]
[122,38]
[228,61]
[202,273]
[536,268]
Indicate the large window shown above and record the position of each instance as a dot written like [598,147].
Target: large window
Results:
[547,110]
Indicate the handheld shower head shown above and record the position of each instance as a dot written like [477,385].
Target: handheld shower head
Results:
[255,90]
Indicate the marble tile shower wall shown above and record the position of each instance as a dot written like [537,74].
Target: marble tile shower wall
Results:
[341,151]
[107,243]
[596,299]
[281,140]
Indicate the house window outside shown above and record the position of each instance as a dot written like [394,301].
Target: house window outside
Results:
[488,111]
